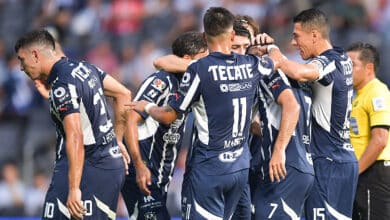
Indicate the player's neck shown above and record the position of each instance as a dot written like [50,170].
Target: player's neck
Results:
[322,46]
[220,44]
[48,66]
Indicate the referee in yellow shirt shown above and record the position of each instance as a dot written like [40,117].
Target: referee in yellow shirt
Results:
[370,122]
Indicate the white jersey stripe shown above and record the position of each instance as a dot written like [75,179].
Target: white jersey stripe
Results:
[143,88]
[335,213]
[190,94]
[206,214]
[63,209]
[201,121]
[105,208]
[89,137]
[289,211]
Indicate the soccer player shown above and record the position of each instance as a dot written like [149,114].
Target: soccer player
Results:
[154,146]
[330,71]
[284,145]
[220,89]
[370,123]
[89,171]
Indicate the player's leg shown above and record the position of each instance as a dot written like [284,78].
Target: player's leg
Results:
[56,196]
[333,191]
[153,206]
[131,194]
[284,199]
[203,195]
[100,191]
[243,209]
[232,196]
[372,199]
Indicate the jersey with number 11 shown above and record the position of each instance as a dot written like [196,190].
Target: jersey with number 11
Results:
[220,89]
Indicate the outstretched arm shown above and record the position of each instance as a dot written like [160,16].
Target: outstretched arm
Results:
[172,63]
[121,96]
[288,122]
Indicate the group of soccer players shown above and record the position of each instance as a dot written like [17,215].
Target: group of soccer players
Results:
[300,159]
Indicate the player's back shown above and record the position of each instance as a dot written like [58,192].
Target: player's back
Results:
[221,89]
[159,143]
[297,150]
[332,104]
[77,87]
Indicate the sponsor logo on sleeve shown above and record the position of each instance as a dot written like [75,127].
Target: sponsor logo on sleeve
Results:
[379,103]
[159,84]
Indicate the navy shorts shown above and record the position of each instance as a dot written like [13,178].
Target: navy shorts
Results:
[243,209]
[284,199]
[333,191]
[100,190]
[211,197]
[140,206]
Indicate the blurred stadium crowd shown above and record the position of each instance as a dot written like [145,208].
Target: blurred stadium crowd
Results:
[123,37]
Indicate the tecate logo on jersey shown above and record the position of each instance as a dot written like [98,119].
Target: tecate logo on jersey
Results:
[230,156]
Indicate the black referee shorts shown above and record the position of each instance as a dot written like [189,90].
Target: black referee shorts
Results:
[372,200]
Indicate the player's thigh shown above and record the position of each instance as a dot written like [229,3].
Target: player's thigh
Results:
[284,199]
[243,209]
[100,191]
[372,199]
[131,194]
[333,191]
[205,197]
[154,205]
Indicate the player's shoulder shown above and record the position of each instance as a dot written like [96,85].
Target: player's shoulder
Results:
[378,88]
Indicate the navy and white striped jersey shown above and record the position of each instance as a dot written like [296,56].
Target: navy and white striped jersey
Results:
[332,105]
[297,151]
[160,143]
[220,89]
[77,87]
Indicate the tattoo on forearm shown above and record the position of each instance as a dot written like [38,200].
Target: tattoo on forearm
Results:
[168,109]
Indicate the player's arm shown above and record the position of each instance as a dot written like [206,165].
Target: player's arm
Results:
[288,122]
[120,95]
[295,70]
[172,63]
[143,177]
[42,89]
[75,153]
[163,114]
[378,141]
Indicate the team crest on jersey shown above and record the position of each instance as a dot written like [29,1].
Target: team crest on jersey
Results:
[159,84]
[378,103]
[59,92]
[150,216]
[354,125]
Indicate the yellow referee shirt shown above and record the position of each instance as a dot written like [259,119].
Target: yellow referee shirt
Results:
[370,107]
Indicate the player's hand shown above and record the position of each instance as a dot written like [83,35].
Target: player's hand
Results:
[74,204]
[125,156]
[143,178]
[277,165]
[138,105]
[41,87]
[262,39]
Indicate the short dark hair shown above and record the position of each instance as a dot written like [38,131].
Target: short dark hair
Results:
[40,36]
[217,20]
[246,19]
[190,43]
[240,30]
[368,53]
[313,19]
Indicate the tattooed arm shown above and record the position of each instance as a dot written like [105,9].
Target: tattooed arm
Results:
[163,114]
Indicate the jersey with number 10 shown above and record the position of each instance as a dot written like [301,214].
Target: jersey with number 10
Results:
[77,87]
[332,105]
[221,89]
